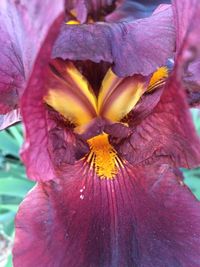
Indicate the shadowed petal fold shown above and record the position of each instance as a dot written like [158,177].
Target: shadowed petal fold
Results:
[131,46]
[184,14]
[35,152]
[145,217]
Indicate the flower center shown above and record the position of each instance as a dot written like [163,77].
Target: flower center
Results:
[73,97]
[103,157]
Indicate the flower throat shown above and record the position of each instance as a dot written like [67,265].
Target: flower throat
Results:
[71,95]
[103,157]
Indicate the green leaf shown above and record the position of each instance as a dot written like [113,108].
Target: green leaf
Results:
[196,118]
[7,221]
[13,170]
[5,217]
[9,207]
[9,263]
[8,145]
[15,187]
[16,133]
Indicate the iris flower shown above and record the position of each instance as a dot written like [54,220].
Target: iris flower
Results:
[107,127]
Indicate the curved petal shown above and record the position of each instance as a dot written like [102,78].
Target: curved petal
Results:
[23,30]
[35,152]
[129,10]
[131,46]
[9,118]
[166,134]
[143,218]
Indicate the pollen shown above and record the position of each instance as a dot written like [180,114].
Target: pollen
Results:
[72,22]
[103,157]
[158,78]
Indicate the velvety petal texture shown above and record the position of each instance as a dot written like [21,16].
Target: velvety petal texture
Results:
[184,14]
[23,29]
[130,10]
[145,217]
[132,47]
[82,8]
[12,73]
[35,153]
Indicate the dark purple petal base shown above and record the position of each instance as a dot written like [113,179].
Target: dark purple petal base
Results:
[143,218]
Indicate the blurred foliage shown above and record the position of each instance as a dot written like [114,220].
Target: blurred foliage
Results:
[192,177]
[14,184]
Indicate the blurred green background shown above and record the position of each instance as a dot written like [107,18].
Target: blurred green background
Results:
[14,185]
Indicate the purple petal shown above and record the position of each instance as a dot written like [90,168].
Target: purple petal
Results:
[23,30]
[194,99]
[35,152]
[132,46]
[184,14]
[165,133]
[133,220]
[191,82]
[187,21]
[129,10]
[12,74]
[9,118]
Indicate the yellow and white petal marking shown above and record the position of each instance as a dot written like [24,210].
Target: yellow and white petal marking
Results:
[109,84]
[103,157]
[82,84]
[118,96]
[158,78]
[75,100]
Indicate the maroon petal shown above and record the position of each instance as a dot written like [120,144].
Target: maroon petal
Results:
[83,8]
[165,133]
[35,152]
[187,20]
[132,46]
[185,12]
[12,74]
[142,218]
[23,30]
[191,80]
